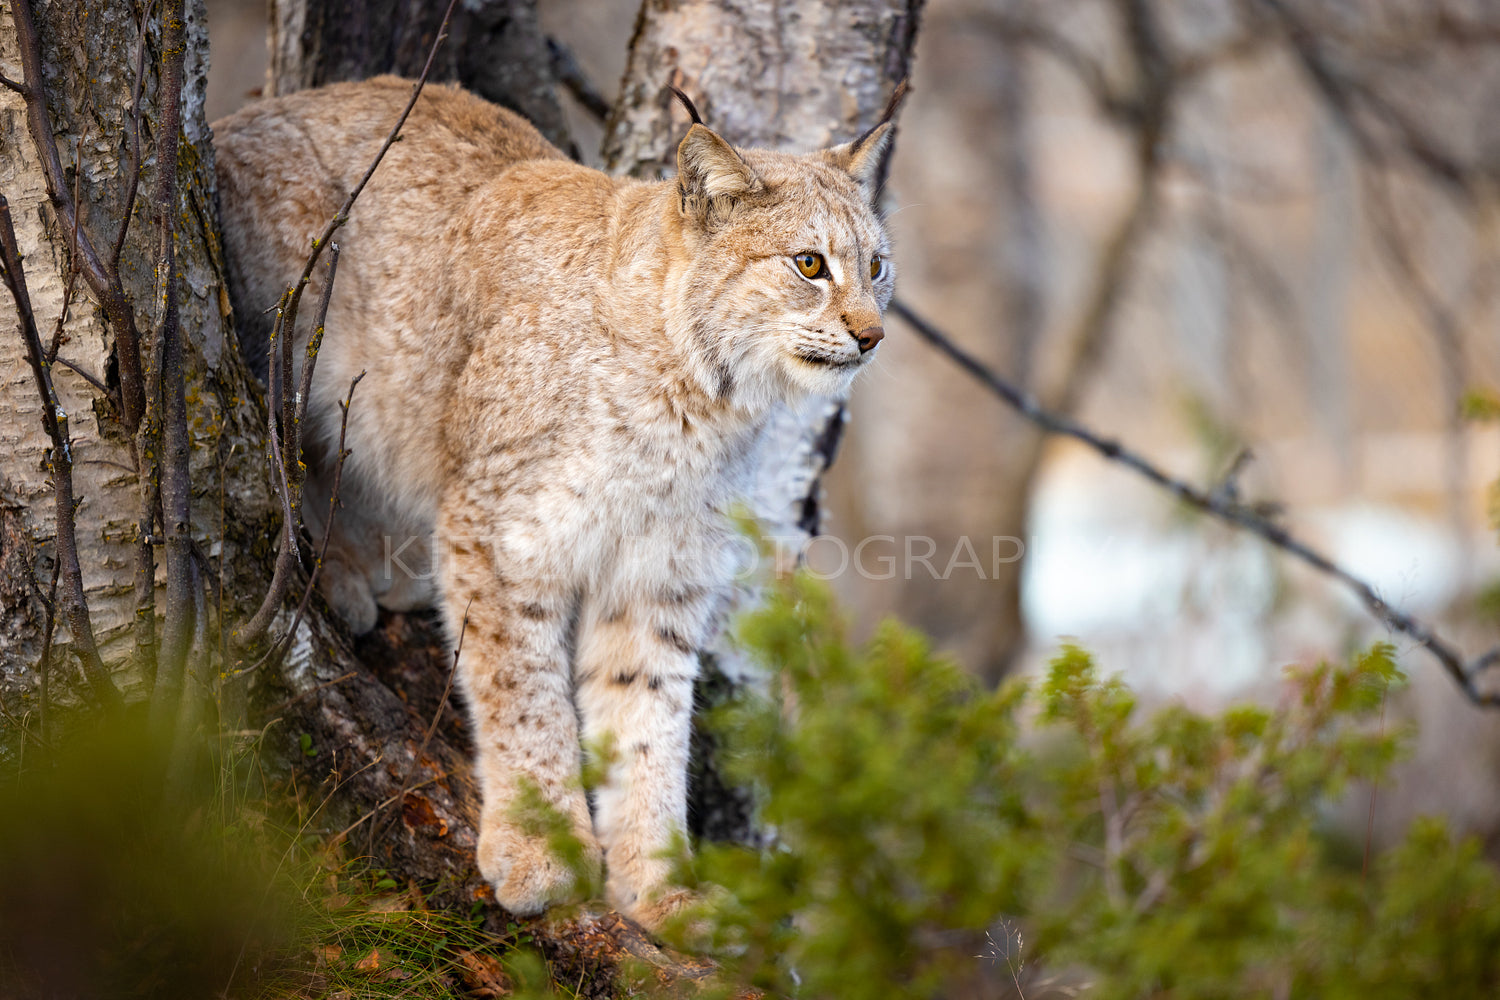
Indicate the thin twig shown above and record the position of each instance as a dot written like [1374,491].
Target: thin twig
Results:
[22,727]
[1344,93]
[342,215]
[290,520]
[1464,672]
[62,314]
[92,380]
[55,420]
[278,650]
[381,805]
[135,136]
[1086,343]
[315,344]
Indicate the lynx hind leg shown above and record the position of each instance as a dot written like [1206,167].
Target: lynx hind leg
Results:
[344,581]
[376,558]
[346,588]
[513,670]
[635,670]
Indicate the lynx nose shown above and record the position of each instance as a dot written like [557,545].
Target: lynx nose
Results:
[869,337]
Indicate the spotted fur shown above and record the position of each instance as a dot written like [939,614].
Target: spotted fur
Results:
[567,378]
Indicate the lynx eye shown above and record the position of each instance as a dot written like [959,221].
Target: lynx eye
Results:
[876,266]
[810,264]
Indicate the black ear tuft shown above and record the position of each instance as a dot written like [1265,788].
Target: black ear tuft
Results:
[891,107]
[687,102]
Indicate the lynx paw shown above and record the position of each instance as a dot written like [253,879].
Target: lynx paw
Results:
[654,912]
[348,593]
[672,912]
[527,875]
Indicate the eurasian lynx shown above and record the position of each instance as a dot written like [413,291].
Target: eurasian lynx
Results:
[568,375]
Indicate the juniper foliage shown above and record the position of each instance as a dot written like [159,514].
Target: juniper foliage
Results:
[926,828]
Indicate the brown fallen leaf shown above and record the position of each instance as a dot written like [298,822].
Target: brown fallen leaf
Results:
[417,813]
[336,902]
[394,902]
[373,961]
[483,975]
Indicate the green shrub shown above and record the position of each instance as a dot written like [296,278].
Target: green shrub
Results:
[918,818]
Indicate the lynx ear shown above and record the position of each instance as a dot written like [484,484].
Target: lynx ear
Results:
[864,158]
[861,158]
[709,167]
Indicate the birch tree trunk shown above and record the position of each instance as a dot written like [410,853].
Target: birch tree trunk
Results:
[88,52]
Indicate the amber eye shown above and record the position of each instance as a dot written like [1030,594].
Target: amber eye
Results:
[876,266]
[810,264]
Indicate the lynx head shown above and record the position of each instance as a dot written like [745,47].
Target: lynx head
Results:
[790,270]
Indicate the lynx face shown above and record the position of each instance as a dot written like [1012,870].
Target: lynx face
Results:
[793,265]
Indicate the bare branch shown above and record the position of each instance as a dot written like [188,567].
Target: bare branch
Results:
[280,648]
[1085,345]
[62,314]
[1464,672]
[315,343]
[1151,104]
[55,420]
[92,380]
[135,137]
[176,484]
[342,215]
[1345,93]
[1026,31]
[290,517]
[571,75]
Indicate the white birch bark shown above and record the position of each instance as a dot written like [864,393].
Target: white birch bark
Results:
[88,57]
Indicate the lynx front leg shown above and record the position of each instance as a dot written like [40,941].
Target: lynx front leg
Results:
[514,673]
[635,670]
